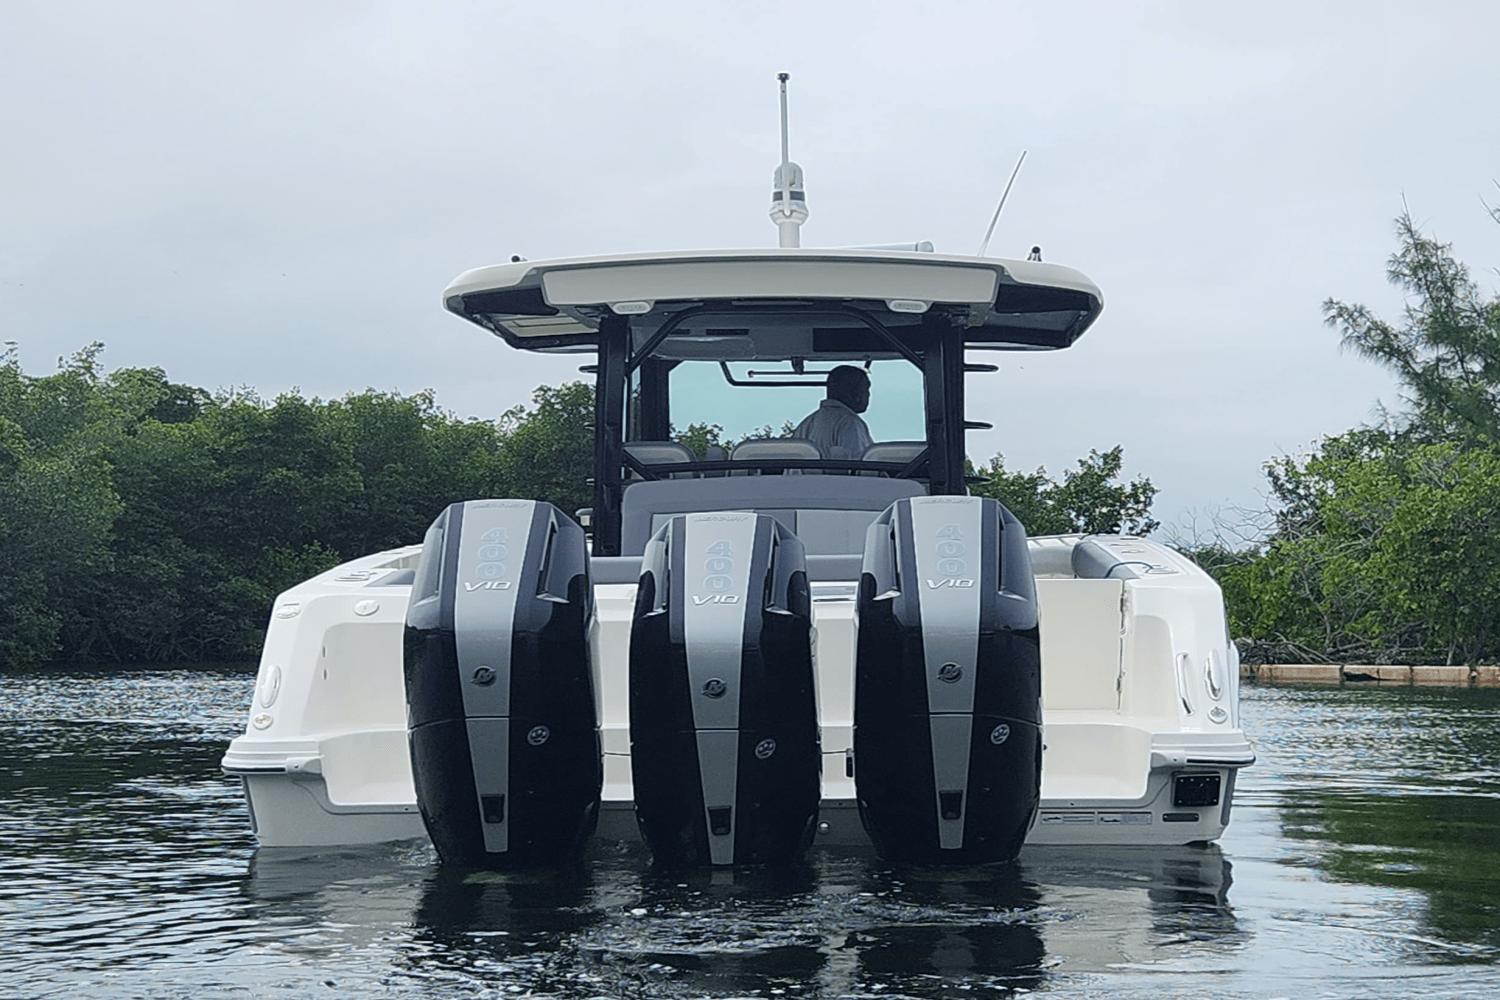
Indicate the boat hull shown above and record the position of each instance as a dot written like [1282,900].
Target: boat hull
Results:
[1127,671]
[295,811]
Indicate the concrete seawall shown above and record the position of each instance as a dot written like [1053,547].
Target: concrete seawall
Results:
[1381,674]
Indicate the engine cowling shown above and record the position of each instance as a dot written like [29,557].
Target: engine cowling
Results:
[501,715]
[947,683]
[725,755]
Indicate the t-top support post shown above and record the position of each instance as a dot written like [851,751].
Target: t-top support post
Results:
[943,377]
[609,433]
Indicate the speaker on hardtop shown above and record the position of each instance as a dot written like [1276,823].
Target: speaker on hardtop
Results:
[947,683]
[725,755]
[499,685]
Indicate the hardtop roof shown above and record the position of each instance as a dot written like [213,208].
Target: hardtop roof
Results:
[728,304]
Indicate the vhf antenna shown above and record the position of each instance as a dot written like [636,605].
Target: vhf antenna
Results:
[1000,207]
[788,200]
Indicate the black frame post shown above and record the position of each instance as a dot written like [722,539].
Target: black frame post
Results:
[943,374]
[609,433]
[654,403]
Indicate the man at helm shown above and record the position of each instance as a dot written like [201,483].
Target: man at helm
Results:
[835,427]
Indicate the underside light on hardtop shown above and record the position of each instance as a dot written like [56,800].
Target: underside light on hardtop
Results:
[907,305]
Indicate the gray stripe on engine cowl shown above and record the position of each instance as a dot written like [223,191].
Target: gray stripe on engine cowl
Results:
[950,770]
[946,537]
[489,748]
[717,549]
[716,571]
[718,768]
[491,553]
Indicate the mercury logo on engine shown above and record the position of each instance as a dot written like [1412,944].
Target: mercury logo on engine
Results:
[702,599]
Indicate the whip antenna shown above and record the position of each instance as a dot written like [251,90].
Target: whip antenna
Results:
[1000,207]
[788,200]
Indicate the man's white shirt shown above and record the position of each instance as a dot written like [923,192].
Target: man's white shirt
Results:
[837,431]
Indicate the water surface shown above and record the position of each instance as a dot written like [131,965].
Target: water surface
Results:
[1363,860]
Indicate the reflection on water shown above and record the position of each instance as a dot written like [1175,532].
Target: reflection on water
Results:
[843,925]
[1445,847]
[1362,861]
[1427,825]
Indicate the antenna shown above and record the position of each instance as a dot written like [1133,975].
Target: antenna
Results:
[788,200]
[785,155]
[1001,207]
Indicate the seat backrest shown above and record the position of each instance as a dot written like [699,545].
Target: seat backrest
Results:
[654,453]
[715,453]
[1080,626]
[892,451]
[770,449]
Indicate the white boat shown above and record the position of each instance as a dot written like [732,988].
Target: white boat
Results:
[1140,730]
[1139,687]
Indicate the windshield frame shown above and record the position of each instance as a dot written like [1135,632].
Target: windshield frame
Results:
[631,392]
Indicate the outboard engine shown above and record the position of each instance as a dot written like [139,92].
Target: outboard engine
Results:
[724,746]
[499,685]
[947,683]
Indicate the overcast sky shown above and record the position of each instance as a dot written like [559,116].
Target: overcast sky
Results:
[275,195]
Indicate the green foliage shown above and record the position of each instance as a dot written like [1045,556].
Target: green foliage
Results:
[1437,555]
[1388,548]
[547,452]
[698,438]
[1386,541]
[1089,498]
[57,506]
[144,521]
[1446,348]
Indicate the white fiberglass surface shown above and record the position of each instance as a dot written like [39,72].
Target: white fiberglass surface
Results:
[368,768]
[1080,627]
[701,395]
[1093,760]
[357,683]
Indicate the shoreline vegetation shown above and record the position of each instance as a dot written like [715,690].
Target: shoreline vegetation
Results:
[143,521]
